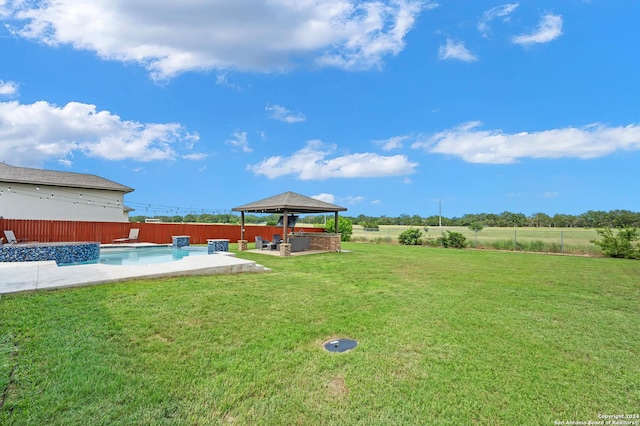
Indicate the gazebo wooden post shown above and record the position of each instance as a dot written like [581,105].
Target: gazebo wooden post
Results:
[242,243]
[242,225]
[285,225]
[336,220]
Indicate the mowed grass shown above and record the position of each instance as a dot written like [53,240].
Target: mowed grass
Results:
[444,337]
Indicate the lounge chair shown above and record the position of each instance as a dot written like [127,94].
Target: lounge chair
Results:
[260,243]
[133,236]
[275,243]
[11,238]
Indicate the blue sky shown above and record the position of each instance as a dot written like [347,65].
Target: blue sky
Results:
[383,107]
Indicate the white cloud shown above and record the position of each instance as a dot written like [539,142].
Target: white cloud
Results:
[407,181]
[170,37]
[31,134]
[222,79]
[375,202]
[456,50]
[550,194]
[194,156]
[240,141]
[495,147]
[8,88]
[4,12]
[493,13]
[66,163]
[392,143]
[549,29]
[280,113]
[311,163]
[352,200]
[327,198]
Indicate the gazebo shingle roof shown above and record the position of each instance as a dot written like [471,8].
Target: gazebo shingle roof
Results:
[291,202]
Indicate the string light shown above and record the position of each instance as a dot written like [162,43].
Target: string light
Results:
[63,195]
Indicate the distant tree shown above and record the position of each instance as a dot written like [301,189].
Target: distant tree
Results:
[595,219]
[416,220]
[207,218]
[432,221]
[385,220]
[190,218]
[540,219]
[403,219]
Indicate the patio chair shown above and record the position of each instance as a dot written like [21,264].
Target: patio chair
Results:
[260,243]
[133,236]
[11,238]
[275,243]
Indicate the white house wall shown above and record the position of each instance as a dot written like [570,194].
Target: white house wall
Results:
[28,201]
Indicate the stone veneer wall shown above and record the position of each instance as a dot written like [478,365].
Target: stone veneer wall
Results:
[324,242]
[217,245]
[62,253]
[180,241]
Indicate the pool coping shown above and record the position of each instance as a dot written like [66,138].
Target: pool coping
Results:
[18,277]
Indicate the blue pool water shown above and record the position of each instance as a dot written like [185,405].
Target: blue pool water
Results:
[147,255]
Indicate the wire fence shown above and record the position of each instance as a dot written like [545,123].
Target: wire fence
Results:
[576,241]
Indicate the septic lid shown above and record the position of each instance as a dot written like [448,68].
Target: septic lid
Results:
[340,345]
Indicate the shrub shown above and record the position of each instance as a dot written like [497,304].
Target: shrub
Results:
[345,228]
[410,237]
[620,245]
[452,239]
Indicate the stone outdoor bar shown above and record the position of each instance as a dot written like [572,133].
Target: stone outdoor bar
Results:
[323,242]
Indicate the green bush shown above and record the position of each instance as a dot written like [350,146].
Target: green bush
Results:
[345,228]
[622,245]
[452,239]
[410,237]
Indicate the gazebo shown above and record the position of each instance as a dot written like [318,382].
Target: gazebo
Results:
[286,203]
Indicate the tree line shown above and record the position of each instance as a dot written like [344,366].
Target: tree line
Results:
[589,219]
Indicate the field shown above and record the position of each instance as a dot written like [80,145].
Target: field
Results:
[444,337]
[549,240]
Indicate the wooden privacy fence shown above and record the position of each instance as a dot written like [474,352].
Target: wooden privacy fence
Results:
[66,231]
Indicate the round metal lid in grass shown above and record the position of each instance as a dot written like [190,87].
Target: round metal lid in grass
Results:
[340,345]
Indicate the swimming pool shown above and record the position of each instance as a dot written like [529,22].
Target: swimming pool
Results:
[146,255]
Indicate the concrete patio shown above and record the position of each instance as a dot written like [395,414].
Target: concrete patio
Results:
[28,276]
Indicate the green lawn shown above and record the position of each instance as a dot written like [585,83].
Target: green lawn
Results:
[445,337]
